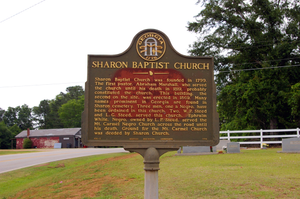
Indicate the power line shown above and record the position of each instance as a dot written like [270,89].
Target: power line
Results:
[255,44]
[235,47]
[265,61]
[42,85]
[249,69]
[21,11]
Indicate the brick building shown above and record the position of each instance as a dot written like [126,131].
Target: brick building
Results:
[46,138]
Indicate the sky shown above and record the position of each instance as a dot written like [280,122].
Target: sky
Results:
[44,44]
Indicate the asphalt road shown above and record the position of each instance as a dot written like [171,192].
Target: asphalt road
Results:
[18,161]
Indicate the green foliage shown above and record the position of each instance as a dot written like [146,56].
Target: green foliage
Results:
[5,136]
[55,104]
[41,114]
[1,114]
[47,113]
[27,143]
[72,93]
[10,116]
[70,112]
[20,116]
[256,48]
[15,130]
[25,117]
[294,102]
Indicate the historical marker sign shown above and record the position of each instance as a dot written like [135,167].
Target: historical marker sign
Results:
[150,96]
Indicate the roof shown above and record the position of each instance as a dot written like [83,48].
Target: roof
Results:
[50,132]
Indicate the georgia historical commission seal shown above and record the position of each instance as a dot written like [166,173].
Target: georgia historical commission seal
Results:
[151,46]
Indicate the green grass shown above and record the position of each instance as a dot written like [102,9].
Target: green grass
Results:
[249,174]
[11,152]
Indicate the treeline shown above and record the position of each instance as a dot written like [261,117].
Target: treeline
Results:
[256,50]
[62,112]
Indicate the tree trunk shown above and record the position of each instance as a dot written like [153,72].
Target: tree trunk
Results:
[273,125]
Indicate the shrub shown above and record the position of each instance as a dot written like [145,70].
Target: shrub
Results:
[27,144]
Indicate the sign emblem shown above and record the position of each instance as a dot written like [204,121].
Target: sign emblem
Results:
[151,46]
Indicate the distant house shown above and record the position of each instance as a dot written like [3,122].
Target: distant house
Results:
[46,138]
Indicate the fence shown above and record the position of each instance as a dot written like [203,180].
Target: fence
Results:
[260,136]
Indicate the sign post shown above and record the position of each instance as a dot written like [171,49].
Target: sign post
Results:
[150,99]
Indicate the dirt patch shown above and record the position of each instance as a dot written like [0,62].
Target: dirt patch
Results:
[121,157]
[58,166]
[47,164]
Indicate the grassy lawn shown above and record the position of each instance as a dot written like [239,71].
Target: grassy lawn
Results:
[249,174]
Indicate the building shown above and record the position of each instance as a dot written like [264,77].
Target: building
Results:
[46,138]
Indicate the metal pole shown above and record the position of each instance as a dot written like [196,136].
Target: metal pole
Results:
[151,166]
[151,185]
[151,162]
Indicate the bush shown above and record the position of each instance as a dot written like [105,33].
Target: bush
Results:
[27,144]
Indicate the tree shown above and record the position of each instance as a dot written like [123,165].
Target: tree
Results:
[53,118]
[41,114]
[44,116]
[10,116]
[293,98]
[70,112]
[74,92]
[255,44]
[15,130]
[24,117]
[21,116]
[5,136]
[1,114]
